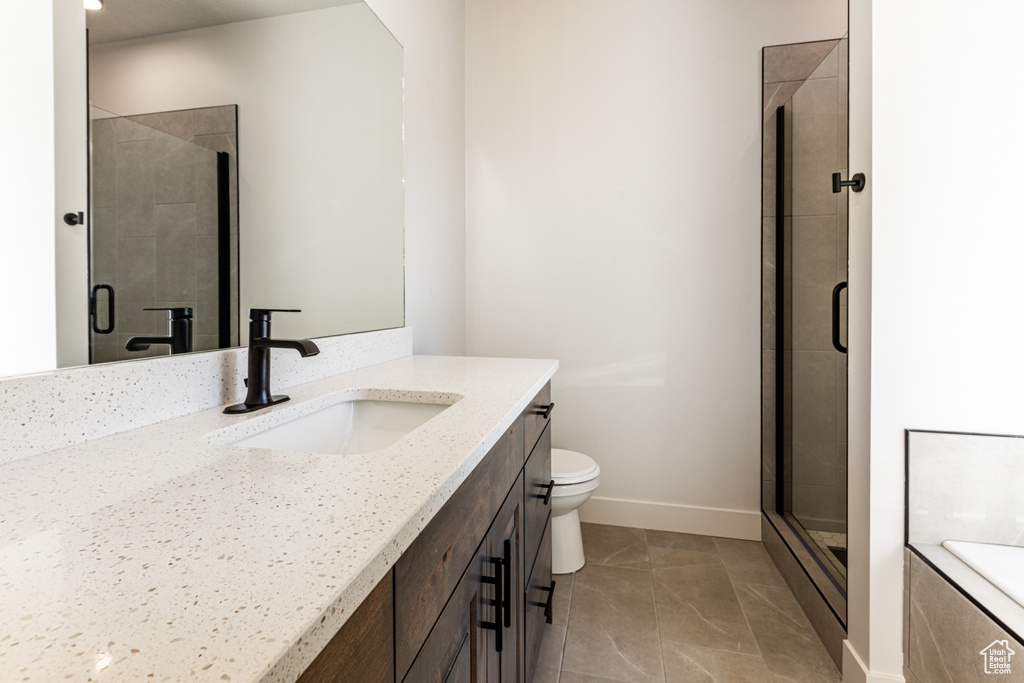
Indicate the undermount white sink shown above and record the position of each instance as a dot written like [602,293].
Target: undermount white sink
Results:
[346,428]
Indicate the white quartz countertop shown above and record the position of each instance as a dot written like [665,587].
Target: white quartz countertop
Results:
[153,555]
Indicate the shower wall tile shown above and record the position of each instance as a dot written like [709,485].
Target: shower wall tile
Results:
[174,176]
[814,417]
[213,120]
[828,68]
[205,342]
[127,130]
[776,95]
[794,62]
[132,319]
[768,415]
[842,389]
[135,276]
[844,102]
[817,98]
[815,506]
[814,161]
[207,285]
[813,258]
[104,163]
[104,246]
[180,124]
[135,173]
[135,220]
[175,262]
[768,274]
[842,486]
[104,352]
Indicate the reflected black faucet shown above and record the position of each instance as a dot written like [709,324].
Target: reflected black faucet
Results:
[258,394]
[179,338]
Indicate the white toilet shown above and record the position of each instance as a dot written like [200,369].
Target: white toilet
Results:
[575,476]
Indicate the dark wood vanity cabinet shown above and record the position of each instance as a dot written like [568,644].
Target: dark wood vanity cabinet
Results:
[479,573]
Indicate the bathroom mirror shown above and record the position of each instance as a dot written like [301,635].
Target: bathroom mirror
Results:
[319,97]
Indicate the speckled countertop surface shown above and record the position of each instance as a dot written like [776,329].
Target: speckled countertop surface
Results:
[154,555]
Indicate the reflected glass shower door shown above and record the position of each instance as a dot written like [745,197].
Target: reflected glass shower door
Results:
[812,313]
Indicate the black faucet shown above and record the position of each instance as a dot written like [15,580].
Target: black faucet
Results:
[179,338]
[258,395]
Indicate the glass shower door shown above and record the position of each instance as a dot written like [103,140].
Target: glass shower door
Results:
[812,310]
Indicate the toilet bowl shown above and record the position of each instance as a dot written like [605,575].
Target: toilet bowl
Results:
[576,477]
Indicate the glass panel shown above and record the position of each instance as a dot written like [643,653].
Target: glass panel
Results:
[813,302]
[163,235]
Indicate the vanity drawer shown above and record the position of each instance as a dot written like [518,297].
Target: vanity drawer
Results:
[430,569]
[537,416]
[538,599]
[537,505]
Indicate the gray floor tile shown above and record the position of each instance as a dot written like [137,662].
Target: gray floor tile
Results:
[615,546]
[748,562]
[791,649]
[669,549]
[563,596]
[692,664]
[549,662]
[697,605]
[613,631]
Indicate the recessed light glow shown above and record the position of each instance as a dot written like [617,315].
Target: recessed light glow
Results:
[94,4]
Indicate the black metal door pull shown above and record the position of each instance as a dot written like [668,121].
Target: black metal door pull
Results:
[835,317]
[856,183]
[93,309]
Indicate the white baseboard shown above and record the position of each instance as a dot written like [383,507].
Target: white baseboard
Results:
[690,519]
[855,671]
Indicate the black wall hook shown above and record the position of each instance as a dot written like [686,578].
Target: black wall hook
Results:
[75,218]
[856,183]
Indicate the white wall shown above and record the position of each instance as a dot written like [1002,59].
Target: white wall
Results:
[613,222]
[946,242]
[26,191]
[433,34]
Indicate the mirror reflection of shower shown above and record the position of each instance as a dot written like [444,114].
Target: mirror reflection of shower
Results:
[163,240]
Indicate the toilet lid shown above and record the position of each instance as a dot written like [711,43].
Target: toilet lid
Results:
[570,467]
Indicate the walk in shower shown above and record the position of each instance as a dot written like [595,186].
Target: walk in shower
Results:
[804,385]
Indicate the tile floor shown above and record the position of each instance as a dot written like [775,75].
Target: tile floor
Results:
[678,608]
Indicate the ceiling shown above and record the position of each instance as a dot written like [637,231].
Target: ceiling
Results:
[128,19]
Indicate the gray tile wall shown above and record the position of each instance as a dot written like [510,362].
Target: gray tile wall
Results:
[945,634]
[813,76]
[155,218]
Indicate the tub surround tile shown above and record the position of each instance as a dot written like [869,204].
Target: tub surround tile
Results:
[168,598]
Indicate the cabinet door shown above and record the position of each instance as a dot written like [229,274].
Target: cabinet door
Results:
[537,415]
[505,543]
[539,595]
[537,485]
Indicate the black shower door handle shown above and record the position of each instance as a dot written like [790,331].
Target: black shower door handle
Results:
[835,317]
[94,305]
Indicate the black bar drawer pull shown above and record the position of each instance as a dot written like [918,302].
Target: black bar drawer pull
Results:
[835,317]
[507,593]
[550,487]
[499,603]
[545,411]
[551,599]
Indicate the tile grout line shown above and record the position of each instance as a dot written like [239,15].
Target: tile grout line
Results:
[743,611]
[654,601]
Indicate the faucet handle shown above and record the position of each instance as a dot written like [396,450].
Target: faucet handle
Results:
[264,313]
[176,312]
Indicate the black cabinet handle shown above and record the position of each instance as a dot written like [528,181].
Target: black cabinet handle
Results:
[545,411]
[499,602]
[835,317]
[94,305]
[551,599]
[547,496]
[507,593]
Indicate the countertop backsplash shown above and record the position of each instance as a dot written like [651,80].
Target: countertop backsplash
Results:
[41,412]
